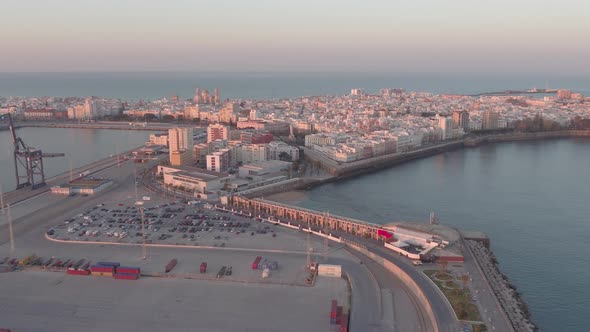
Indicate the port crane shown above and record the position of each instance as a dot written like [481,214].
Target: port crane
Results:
[28,161]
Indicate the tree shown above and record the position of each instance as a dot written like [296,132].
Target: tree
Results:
[284,156]
[464,280]
[443,264]
[167,118]
[149,117]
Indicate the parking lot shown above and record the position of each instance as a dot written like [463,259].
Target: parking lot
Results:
[175,223]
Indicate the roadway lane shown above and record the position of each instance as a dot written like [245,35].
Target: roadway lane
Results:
[444,314]
[486,299]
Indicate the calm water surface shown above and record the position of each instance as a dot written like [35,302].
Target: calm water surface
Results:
[531,198]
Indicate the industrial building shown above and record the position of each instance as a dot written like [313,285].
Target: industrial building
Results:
[82,186]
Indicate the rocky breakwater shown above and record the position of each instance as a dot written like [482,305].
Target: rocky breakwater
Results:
[515,308]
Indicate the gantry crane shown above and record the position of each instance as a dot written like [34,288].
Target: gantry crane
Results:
[28,159]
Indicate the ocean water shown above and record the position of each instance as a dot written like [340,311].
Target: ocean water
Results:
[155,85]
[531,198]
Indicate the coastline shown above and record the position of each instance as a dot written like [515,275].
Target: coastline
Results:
[506,293]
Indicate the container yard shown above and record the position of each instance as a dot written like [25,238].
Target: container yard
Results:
[77,303]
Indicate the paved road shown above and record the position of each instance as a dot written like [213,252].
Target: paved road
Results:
[30,226]
[489,308]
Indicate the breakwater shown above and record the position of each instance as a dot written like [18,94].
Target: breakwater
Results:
[508,297]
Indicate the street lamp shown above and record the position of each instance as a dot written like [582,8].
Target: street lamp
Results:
[2,200]
[141,209]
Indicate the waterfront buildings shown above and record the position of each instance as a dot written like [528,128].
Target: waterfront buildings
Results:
[461,120]
[490,120]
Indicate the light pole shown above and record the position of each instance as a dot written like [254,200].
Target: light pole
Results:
[71,171]
[2,200]
[143,247]
[11,232]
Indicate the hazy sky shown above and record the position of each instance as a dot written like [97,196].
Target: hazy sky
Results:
[295,35]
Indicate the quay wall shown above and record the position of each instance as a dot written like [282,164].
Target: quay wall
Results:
[345,170]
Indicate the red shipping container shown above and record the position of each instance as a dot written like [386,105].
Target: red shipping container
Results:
[96,268]
[344,324]
[333,309]
[78,272]
[255,263]
[126,276]
[203,267]
[131,270]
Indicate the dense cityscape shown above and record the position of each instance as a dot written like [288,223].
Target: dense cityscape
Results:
[336,166]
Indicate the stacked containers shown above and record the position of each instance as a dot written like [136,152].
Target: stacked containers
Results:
[333,312]
[338,315]
[113,264]
[102,271]
[256,263]
[344,324]
[127,273]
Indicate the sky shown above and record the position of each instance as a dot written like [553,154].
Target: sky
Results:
[295,35]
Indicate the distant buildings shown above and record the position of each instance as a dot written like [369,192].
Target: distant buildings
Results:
[204,97]
[490,120]
[158,139]
[461,120]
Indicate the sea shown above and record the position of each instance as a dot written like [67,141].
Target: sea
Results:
[530,198]
[156,85]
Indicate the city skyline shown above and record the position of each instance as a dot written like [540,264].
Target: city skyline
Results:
[228,36]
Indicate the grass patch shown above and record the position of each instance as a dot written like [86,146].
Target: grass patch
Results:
[460,299]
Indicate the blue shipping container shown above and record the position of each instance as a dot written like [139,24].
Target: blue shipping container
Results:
[109,264]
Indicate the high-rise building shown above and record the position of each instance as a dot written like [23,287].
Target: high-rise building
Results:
[217,131]
[446,126]
[461,120]
[180,139]
[205,97]
[229,113]
[490,120]
[89,109]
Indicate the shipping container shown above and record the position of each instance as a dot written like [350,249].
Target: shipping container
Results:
[171,265]
[344,323]
[85,266]
[127,269]
[102,274]
[126,276]
[333,309]
[203,267]
[100,268]
[256,262]
[78,272]
[338,315]
[114,264]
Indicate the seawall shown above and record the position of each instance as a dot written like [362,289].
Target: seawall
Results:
[346,170]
